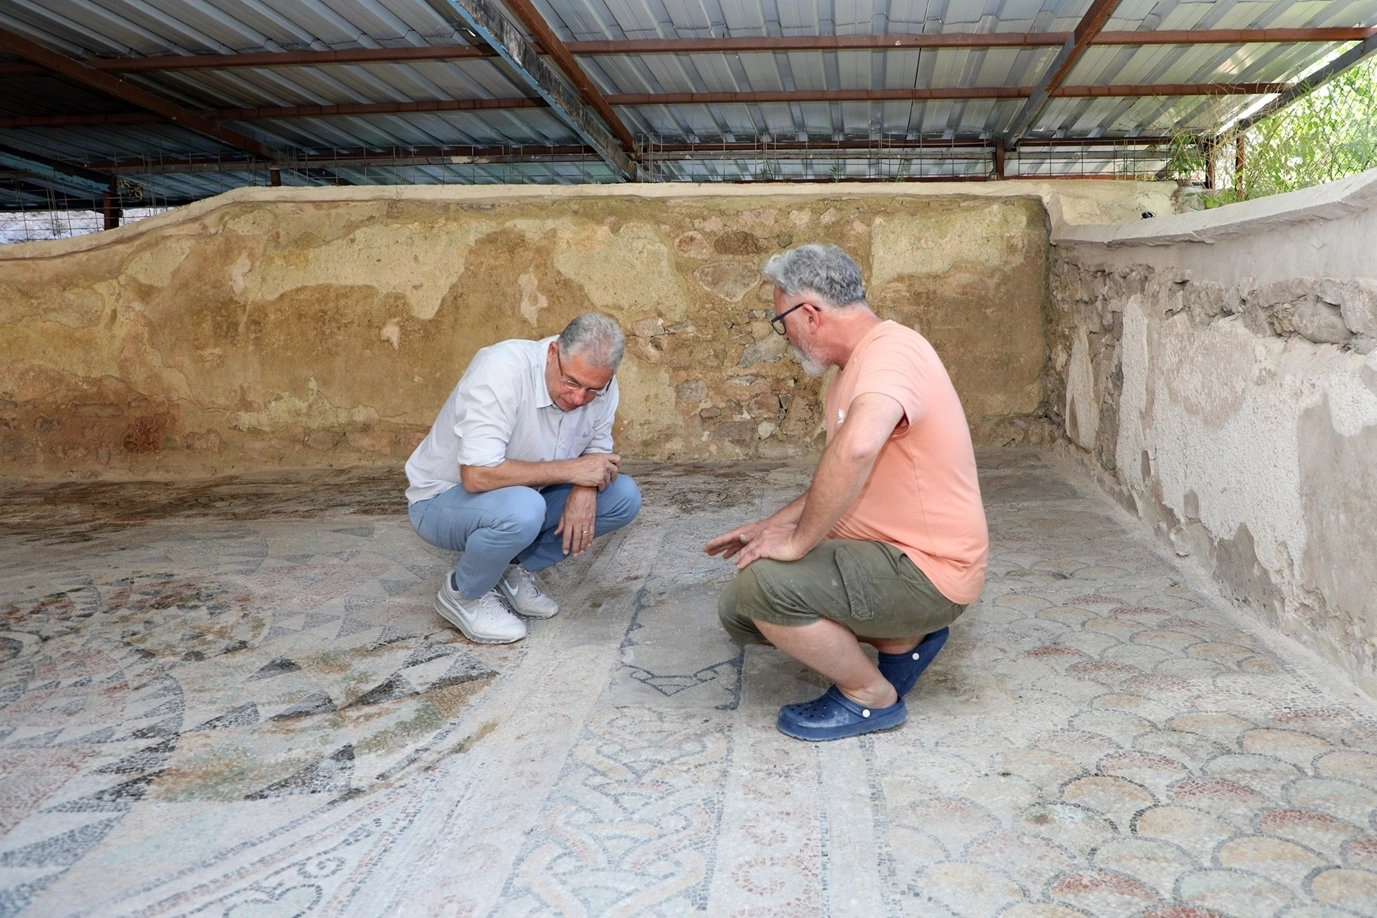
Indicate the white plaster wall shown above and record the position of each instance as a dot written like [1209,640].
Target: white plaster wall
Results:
[1246,445]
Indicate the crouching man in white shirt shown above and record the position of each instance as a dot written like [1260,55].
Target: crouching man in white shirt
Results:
[518,473]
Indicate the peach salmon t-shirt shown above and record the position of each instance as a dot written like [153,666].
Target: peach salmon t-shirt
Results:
[923,495]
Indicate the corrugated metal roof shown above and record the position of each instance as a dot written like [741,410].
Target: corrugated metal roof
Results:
[848,112]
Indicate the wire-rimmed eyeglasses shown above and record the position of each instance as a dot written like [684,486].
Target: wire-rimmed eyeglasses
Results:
[573,385]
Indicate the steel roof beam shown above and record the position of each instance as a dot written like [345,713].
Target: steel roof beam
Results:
[521,55]
[360,159]
[1170,89]
[440,106]
[1343,62]
[551,44]
[895,41]
[87,179]
[1235,36]
[268,113]
[268,59]
[776,43]
[78,72]
[1090,25]
[458,156]
[954,93]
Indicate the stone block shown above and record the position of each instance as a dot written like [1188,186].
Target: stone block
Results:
[323,440]
[730,280]
[1207,299]
[647,328]
[741,242]
[764,406]
[1369,372]
[1359,306]
[371,441]
[693,245]
[1293,290]
[694,390]
[767,350]
[740,433]
[1320,322]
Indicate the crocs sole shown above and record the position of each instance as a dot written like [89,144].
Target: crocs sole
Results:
[834,716]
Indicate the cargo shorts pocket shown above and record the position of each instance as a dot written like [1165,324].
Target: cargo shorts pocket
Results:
[857,583]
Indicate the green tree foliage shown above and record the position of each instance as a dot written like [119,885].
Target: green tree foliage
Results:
[1324,136]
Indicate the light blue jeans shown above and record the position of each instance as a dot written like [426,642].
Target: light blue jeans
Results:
[495,528]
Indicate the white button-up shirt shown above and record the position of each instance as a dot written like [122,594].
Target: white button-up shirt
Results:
[501,409]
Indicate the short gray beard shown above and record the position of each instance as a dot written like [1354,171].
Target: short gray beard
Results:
[810,366]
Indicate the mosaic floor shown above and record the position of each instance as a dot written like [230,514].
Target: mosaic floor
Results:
[234,698]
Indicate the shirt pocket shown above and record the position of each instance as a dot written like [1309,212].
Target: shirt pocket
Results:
[575,439]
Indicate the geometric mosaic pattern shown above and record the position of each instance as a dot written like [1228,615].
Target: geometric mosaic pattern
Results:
[235,698]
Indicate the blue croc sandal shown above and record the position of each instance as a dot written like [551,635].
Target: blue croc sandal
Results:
[834,716]
[903,669]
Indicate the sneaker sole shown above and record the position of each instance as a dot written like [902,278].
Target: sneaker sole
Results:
[458,622]
[507,598]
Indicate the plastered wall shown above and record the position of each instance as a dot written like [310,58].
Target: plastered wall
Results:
[319,327]
[1222,368]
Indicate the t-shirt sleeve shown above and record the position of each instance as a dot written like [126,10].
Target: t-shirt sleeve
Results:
[891,369]
[484,419]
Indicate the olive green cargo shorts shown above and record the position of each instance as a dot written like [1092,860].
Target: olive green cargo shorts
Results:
[870,587]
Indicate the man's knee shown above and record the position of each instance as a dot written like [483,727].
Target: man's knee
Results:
[622,501]
[522,512]
[738,625]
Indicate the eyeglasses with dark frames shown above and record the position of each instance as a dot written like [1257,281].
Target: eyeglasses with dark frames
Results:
[573,385]
[777,323]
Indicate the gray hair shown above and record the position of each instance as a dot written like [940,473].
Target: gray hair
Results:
[595,337]
[823,270]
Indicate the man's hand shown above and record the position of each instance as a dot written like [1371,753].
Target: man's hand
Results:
[594,470]
[764,539]
[591,470]
[729,543]
[576,524]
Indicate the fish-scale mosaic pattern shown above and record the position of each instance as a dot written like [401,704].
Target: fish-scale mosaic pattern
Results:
[259,713]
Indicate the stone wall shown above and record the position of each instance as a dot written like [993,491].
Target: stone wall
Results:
[1222,368]
[319,327]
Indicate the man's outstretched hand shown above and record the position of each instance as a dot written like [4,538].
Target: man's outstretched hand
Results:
[761,539]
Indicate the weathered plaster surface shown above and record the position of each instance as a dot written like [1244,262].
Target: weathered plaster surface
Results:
[312,327]
[1232,363]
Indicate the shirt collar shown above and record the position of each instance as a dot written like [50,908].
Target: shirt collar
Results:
[541,390]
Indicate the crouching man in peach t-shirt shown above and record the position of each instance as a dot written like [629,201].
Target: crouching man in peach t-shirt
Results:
[888,545]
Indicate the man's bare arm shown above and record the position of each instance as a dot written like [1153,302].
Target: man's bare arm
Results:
[839,479]
[593,470]
[729,543]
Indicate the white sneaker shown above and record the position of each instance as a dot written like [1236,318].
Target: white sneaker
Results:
[484,620]
[518,587]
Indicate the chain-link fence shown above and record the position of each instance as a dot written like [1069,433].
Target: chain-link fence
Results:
[1323,136]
